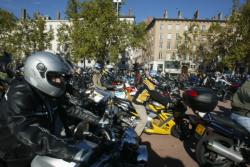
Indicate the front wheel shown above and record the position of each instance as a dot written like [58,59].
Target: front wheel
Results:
[208,158]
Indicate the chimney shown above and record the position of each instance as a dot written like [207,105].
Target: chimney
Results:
[179,15]
[58,15]
[24,14]
[130,12]
[165,15]
[196,15]
[220,16]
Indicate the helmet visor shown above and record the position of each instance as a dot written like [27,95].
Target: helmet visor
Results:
[57,79]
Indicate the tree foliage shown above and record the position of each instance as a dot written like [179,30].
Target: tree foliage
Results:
[192,44]
[24,36]
[7,24]
[232,41]
[72,9]
[97,33]
[30,36]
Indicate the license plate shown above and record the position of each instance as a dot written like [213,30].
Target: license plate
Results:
[200,129]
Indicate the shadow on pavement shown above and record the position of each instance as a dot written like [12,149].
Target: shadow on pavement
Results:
[156,161]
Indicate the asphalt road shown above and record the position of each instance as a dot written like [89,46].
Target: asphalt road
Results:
[168,151]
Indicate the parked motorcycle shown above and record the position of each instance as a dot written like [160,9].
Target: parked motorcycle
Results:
[162,118]
[222,142]
[124,153]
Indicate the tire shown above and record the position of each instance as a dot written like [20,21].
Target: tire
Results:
[208,158]
[175,131]
[183,129]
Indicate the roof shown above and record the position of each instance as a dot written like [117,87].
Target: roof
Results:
[184,19]
[124,16]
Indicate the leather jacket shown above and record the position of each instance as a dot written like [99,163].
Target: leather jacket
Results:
[27,122]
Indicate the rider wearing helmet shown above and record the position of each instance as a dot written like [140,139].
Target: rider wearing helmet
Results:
[146,91]
[27,114]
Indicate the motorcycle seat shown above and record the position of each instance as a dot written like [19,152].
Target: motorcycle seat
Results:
[226,121]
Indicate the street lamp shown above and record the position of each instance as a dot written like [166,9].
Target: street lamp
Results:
[117,5]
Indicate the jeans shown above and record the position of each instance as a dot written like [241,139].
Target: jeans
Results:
[242,120]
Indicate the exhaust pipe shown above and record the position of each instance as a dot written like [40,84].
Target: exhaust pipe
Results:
[224,151]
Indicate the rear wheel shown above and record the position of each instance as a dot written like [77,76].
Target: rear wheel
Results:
[208,158]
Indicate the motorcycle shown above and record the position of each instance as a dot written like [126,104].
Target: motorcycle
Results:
[162,119]
[221,141]
[126,152]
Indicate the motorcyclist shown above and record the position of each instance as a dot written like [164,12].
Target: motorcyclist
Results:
[27,114]
[146,91]
[241,105]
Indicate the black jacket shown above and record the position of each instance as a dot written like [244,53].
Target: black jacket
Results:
[26,123]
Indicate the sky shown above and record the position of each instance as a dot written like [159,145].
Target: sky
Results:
[140,8]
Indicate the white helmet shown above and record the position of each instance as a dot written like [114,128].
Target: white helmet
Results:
[46,72]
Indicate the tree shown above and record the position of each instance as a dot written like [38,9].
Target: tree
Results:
[99,34]
[232,42]
[239,50]
[30,36]
[64,40]
[72,9]
[7,24]
[192,44]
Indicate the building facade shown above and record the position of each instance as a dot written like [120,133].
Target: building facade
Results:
[164,38]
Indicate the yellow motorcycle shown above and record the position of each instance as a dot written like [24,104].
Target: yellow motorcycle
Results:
[163,119]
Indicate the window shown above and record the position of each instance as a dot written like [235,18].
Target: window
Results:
[160,67]
[50,27]
[160,55]
[161,43]
[169,45]
[169,36]
[89,61]
[169,27]
[161,26]
[203,28]
[186,28]
[161,36]
[177,27]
